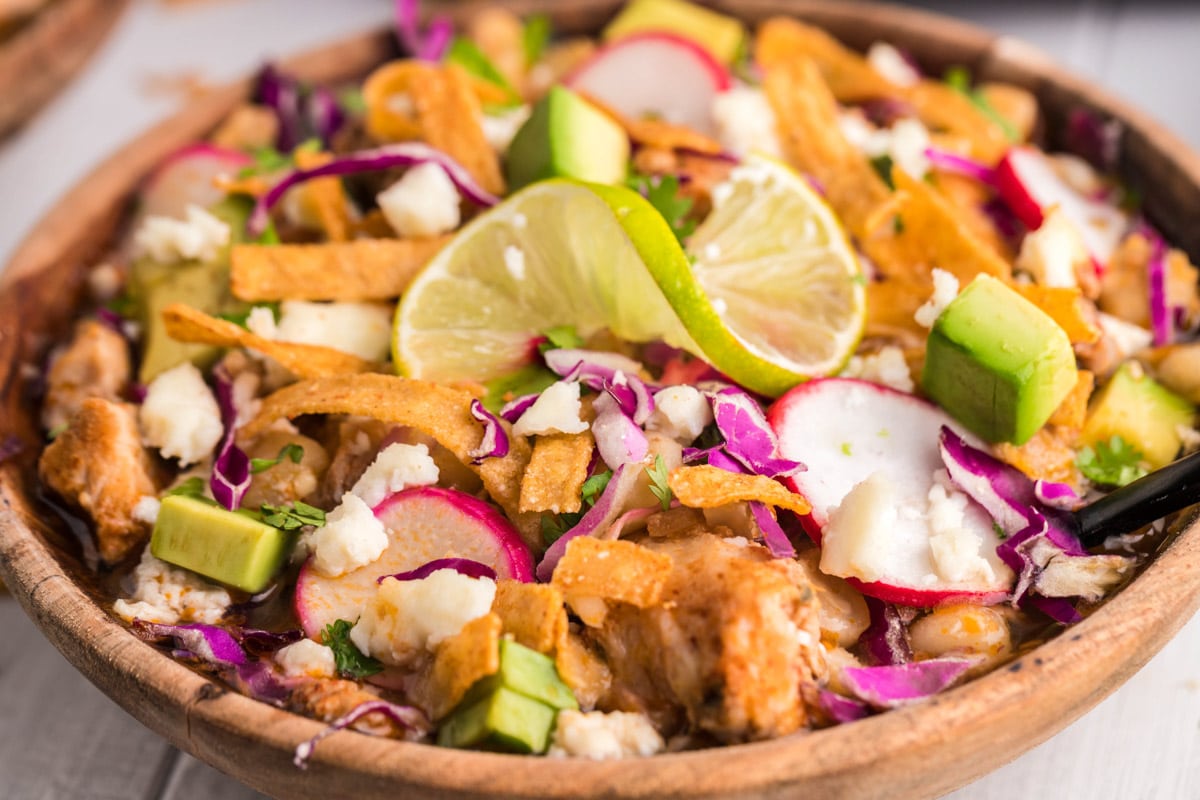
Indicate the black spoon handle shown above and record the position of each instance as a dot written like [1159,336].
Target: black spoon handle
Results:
[1151,497]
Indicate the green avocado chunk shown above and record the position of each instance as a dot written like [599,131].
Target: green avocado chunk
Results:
[230,547]
[722,36]
[1141,411]
[527,672]
[997,363]
[503,720]
[567,137]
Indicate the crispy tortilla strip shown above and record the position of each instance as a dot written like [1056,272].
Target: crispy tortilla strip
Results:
[557,469]
[1049,455]
[850,77]
[532,613]
[619,571]
[582,669]
[324,198]
[969,197]
[1015,104]
[1065,306]
[387,118]
[942,108]
[1072,411]
[450,118]
[657,133]
[438,411]
[709,487]
[186,324]
[807,118]
[461,660]
[364,269]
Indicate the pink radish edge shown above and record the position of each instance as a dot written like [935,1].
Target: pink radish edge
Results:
[719,75]
[192,154]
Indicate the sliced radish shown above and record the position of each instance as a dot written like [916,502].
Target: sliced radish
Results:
[423,525]
[622,76]
[880,447]
[1029,184]
[186,177]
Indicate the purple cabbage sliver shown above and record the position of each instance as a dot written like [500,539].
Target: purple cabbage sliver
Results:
[209,643]
[231,468]
[773,534]
[463,566]
[597,518]
[412,720]
[886,638]
[842,709]
[896,685]
[748,436]
[494,443]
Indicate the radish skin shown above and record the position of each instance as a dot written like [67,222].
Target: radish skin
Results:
[186,178]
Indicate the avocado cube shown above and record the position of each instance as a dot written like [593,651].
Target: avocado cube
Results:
[723,37]
[156,286]
[1141,411]
[997,363]
[230,547]
[503,720]
[567,137]
[527,672]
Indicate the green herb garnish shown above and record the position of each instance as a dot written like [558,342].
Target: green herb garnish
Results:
[292,452]
[662,191]
[555,526]
[192,487]
[658,481]
[561,337]
[351,663]
[535,37]
[527,380]
[882,164]
[1111,463]
[291,518]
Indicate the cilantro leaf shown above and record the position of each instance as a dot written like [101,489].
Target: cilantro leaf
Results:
[555,526]
[594,486]
[241,316]
[292,452]
[534,38]
[193,487]
[527,380]
[658,482]
[959,79]
[882,164]
[560,337]
[350,662]
[662,191]
[291,518]
[1111,463]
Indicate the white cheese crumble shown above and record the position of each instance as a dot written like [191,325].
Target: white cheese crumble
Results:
[180,417]
[397,467]
[891,64]
[856,540]
[361,329]
[945,289]
[261,322]
[680,412]
[514,262]
[745,122]
[953,548]
[887,368]
[1054,254]
[424,202]
[1126,337]
[199,237]
[306,658]
[169,595]
[499,129]
[406,618]
[557,410]
[146,509]
[351,537]
[905,142]
[598,735]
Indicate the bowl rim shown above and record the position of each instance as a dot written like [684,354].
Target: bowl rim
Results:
[955,737]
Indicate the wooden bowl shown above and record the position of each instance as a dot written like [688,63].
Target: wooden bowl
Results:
[919,751]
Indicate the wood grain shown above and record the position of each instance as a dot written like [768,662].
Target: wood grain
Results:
[916,752]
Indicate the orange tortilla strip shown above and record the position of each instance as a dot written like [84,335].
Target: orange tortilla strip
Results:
[186,324]
[1072,411]
[532,613]
[466,657]
[325,197]
[557,469]
[438,411]
[807,118]
[364,269]
[618,571]
[387,119]
[850,77]
[704,486]
[449,115]
[1065,306]
[944,109]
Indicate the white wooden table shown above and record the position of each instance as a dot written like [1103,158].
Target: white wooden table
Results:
[60,738]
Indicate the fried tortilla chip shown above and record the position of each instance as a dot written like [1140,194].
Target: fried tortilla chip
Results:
[324,198]
[186,324]
[1072,411]
[705,486]
[849,76]
[364,269]
[807,118]
[593,571]
[450,118]
[945,109]
[1049,455]
[557,469]
[532,613]
[1014,104]
[1066,307]
[469,655]
[390,116]
[438,411]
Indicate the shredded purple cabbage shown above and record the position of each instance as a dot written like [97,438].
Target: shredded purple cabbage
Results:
[595,369]
[463,566]
[883,112]
[1162,320]
[773,535]
[494,443]
[886,638]
[842,709]
[412,720]
[512,410]
[393,155]
[259,642]
[598,518]
[895,685]
[301,113]
[1056,495]
[428,45]
[960,165]
[1095,139]
[619,439]
[748,436]
[1058,609]
[260,680]
[209,643]
[231,468]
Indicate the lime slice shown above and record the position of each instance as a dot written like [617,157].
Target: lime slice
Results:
[555,253]
[781,280]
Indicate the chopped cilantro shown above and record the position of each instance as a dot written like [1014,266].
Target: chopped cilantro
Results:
[882,164]
[351,663]
[291,518]
[658,482]
[959,79]
[1000,534]
[527,380]
[662,191]
[1111,463]
[560,337]
[594,486]
[193,487]
[467,55]
[241,316]
[266,160]
[555,526]
[534,38]
[123,305]
[293,452]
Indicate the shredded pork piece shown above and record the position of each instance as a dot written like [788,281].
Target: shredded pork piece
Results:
[94,364]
